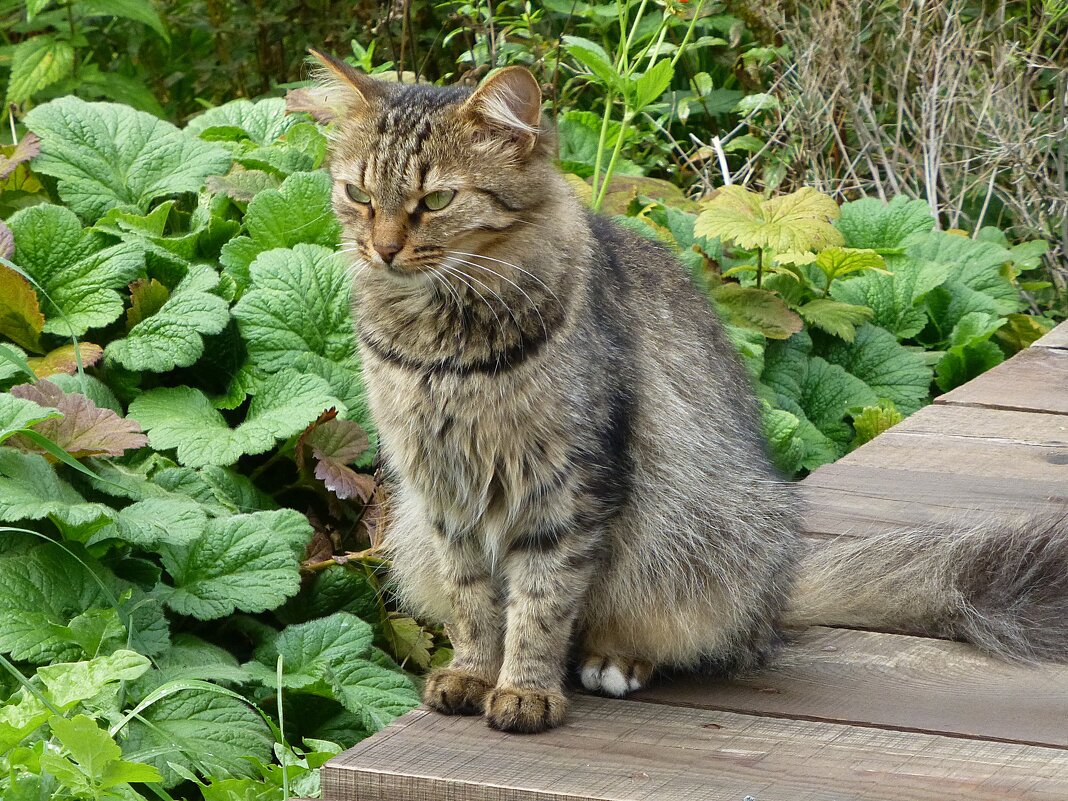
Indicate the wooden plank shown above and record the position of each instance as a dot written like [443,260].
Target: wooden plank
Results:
[855,500]
[630,751]
[1057,338]
[1034,380]
[891,681]
[973,441]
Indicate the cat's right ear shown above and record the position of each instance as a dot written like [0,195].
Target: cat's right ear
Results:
[344,87]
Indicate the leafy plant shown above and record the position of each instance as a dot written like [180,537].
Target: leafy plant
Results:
[183,454]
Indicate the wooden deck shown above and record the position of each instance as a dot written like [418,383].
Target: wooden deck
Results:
[842,714]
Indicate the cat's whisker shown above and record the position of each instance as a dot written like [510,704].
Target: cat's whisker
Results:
[507,264]
[497,295]
[461,277]
[533,305]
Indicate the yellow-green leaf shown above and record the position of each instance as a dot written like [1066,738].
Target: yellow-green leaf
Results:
[874,420]
[834,317]
[836,262]
[757,309]
[37,63]
[147,297]
[65,359]
[800,221]
[21,319]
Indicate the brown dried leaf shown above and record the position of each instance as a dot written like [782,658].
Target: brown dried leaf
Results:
[21,319]
[12,156]
[334,444]
[63,360]
[85,429]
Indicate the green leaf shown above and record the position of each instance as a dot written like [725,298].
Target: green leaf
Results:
[174,336]
[377,690]
[190,658]
[799,221]
[780,430]
[137,10]
[757,309]
[31,490]
[299,211]
[969,352]
[95,762]
[973,264]
[16,413]
[890,370]
[837,262]
[263,122]
[213,734]
[312,651]
[836,318]
[872,421]
[245,562]
[105,155]
[152,522]
[241,184]
[653,83]
[77,277]
[871,223]
[36,64]
[896,299]
[298,303]
[184,419]
[67,683]
[592,56]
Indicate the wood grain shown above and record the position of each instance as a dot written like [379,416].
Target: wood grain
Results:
[1057,338]
[631,751]
[1035,380]
[891,681]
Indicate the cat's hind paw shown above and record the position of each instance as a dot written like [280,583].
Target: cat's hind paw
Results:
[525,710]
[456,692]
[614,676]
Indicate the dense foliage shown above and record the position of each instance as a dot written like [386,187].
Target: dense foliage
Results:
[191,598]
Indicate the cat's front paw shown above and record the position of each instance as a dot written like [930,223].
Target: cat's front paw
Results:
[456,692]
[525,710]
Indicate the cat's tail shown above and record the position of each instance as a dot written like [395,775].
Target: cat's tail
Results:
[1002,587]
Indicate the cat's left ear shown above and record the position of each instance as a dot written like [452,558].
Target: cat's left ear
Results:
[508,103]
[345,88]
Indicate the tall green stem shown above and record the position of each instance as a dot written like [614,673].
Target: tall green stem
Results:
[602,139]
[599,196]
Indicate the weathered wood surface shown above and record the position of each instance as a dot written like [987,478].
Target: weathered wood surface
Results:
[841,715]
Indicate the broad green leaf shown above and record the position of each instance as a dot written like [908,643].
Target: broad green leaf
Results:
[21,320]
[890,370]
[106,155]
[149,523]
[184,419]
[757,309]
[298,303]
[975,265]
[299,211]
[31,490]
[68,683]
[376,690]
[245,562]
[896,299]
[836,318]
[339,588]
[871,223]
[241,184]
[969,351]
[84,429]
[95,763]
[16,413]
[780,430]
[592,56]
[263,122]
[312,651]
[37,63]
[93,388]
[190,658]
[212,734]
[77,276]
[799,221]
[174,335]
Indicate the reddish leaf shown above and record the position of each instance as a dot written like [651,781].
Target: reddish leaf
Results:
[85,429]
[147,297]
[334,444]
[7,242]
[28,147]
[21,319]
[63,360]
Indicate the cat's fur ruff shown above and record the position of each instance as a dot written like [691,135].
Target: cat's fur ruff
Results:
[578,470]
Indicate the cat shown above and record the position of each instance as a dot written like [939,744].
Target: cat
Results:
[578,472]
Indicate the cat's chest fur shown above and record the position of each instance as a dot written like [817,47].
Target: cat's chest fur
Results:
[477,449]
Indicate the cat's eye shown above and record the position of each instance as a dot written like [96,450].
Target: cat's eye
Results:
[436,201]
[356,194]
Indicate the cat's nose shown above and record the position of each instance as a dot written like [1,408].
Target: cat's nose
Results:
[387,250]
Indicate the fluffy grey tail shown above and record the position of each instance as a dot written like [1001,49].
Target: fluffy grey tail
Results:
[1002,587]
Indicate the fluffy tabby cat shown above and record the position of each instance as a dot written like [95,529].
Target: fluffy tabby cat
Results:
[578,472]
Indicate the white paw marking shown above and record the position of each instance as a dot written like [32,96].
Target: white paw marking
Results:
[591,678]
[613,682]
[598,675]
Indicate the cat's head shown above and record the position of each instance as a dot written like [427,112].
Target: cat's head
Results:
[421,171]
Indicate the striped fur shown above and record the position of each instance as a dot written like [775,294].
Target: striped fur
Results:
[578,472]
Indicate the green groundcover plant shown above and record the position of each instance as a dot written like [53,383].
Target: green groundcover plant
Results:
[185,447]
